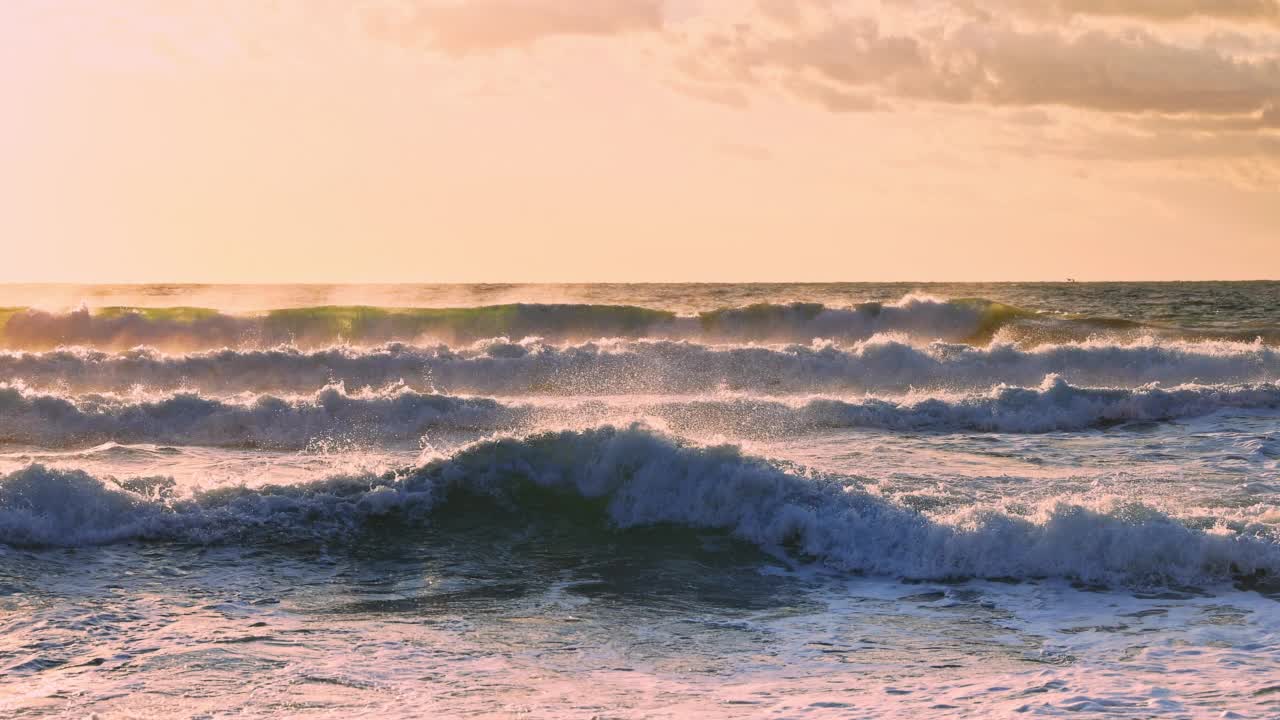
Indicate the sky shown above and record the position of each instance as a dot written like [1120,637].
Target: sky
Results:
[638,140]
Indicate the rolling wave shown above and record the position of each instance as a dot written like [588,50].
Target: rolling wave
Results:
[633,477]
[184,328]
[1052,407]
[399,415]
[266,421]
[502,367]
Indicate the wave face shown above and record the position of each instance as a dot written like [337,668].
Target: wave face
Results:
[184,328]
[638,478]
[615,367]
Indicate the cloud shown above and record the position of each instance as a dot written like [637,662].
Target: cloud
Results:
[1132,71]
[847,62]
[1237,10]
[1249,160]
[837,65]
[1195,100]
[1234,11]
[477,26]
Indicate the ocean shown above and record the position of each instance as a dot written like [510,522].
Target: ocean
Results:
[640,501]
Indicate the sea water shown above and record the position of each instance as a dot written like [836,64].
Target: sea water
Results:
[627,501]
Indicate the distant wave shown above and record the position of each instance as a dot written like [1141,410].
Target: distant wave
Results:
[181,328]
[637,478]
[504,367]
[398,415]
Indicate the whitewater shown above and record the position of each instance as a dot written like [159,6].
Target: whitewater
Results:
[729,501]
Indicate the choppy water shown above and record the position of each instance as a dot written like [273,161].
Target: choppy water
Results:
[640,501]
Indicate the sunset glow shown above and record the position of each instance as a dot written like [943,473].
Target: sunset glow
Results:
[639,140]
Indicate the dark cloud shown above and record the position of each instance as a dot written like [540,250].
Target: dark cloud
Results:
[475,26]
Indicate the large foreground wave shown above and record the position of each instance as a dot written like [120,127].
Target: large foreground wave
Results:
[398,414]
[638,478]
[655,367]
[184,328]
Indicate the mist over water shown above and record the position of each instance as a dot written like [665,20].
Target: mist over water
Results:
[914,500]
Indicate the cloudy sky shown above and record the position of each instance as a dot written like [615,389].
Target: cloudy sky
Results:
[630,140]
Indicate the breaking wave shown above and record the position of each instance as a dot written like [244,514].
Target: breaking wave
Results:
[504,367]
[1053,406]
[634,477]
[398,414]
[394,415]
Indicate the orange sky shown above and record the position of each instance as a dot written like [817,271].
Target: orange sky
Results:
[633,140]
